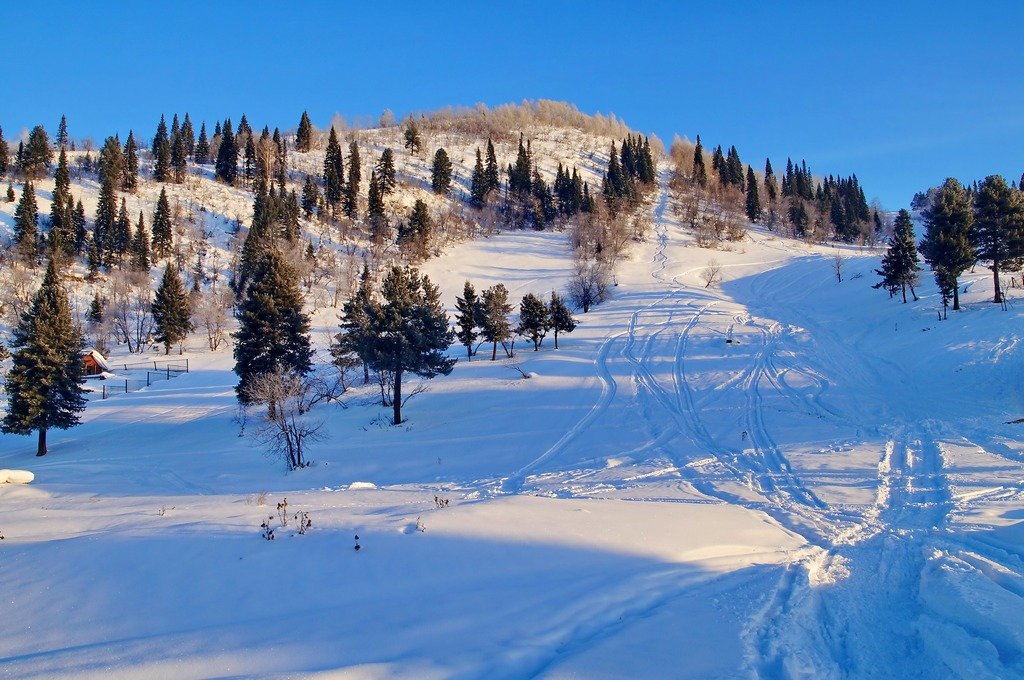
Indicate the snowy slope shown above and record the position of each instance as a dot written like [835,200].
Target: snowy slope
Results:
[833,493]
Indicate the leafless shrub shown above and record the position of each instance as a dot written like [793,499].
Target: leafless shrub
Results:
[588,285]
[712,273]
[129,310]
[211,314]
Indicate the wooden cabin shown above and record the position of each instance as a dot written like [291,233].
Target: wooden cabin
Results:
[94,363]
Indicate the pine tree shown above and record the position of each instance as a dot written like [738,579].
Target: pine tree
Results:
[560,316]
[700,173]
[36,155]
[770,185]
[310,196]
[179,156]
[354,177]
[355,341]
[62,133]
[121,238]
[478,183]
[304,135]
[386,172]
[493,321]
[202,151]
[534,321]
[78,222]
[226,168]
[170,310]
[413,142]
[188,135]
[414,234]
[44,385]
[753,197]
[900,263]
[162,233]
[106,218]
[161,152]
[26,224]
[334,172]
[946,245]
[491,169]
[467,311]
[130,178]
[140,246]
[273,331]
[60,218]
[441,173]
[998,230]
[411,330]
[375,200]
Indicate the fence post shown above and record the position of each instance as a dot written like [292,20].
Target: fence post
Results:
[126,386]
[104,392]
[168,371]
[147,379]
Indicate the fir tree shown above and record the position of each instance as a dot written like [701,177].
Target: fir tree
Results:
[36,155]
[188,135]
[5,154]
[78,222]
[700,173]
[354,177]
[121,238]
[375,200]
[106,217]
[753,197]
[386,172]
[11,196]
[414,234]
[946,245]
[26,224]
[179,156]
[44,385]
[170,310]
[478,183]
[62,133]
[771,188]
[441,173]
[997,233]
[60,218]
[413,142]
[162,232]
[355,341]
[140,246]
[226,168]
[95,313]
[560,316]
[411,330]
[161,152]
[334,172]
[310,196]
[491,169]
[467,311]
[534,320]
[493,321]
[900,264]
[304,135]
[202,150]
[130,178]
[273,331]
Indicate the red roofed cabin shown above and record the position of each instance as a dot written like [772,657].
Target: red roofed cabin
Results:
[93,363]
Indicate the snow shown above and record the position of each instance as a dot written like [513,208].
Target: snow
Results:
[834,493]
[16,477]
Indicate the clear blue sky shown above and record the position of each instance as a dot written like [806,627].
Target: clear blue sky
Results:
[902,93]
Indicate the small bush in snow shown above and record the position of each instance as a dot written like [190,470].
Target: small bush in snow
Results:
[267,531]
[304,522]
[441,502]
[282,512]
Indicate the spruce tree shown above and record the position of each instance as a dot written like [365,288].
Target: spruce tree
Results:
[188,135]
[375,201]
[11,196]
[121,238]
[413,142]
[414,234]
[162,233]
[534,320]
[44,385]
[130,178]
[753,197]
[179,157]
[202,151]
[441,173]
[140,246]
[161,152]
[700,173]
[411,332]
[170,310]
[900,264]
[5,154]
[334,172]
[304,135]
[386,172]
[36,155]
[946,245]
[467,311]
[560,316]
[998,230]
[771,188]
[355,341]
[478,183]
[226,168]
[78,222]
[493,182]
[60,217]
[354,177]
[493,321]
[26,224]
[62,133]
[273,331]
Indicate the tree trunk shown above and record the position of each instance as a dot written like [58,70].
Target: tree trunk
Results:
[366,374]
[956,295]
[494,351]
[995,280]
[167,348]
[397,401]
[903,287]
[41,448]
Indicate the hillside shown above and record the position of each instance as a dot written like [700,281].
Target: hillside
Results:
[777,474]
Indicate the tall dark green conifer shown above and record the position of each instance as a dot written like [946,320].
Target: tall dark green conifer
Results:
[161,152]
[140,246]
[478,183]
[560,316]
[304,135]
[467,312]
[26,224]
[334,172]
[413,142]
[998,230]
[493,182]
[753,196]
[44,385]
[700,172]
[900,264]
[202,151]
[170,310]
[441,173]
[130,177]
[354,176]
[162,233]
[226,168]
[188,135]
[946,245]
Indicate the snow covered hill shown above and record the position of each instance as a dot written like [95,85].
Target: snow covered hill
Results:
[783,475]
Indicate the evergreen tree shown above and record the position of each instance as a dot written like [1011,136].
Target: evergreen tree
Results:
[478,183]
[946,245]
[414,234]
[355,341]
[334,172]
[900,263]
[386,172]
[226,168]
[26,224]
[520,175]
[36,155]
[534,320]
[161,152]
[493,321]
[753,197]
[179,156]
[249,162]
[467,310]
[5,154]
[354,177]
[273,331]
[700,173]
[140,246]
[375,200]
[998,230]
[771,188]
[560,316]
[95,313]
[11,196]
[162,232]
[170,310]
[441,173]
[411,330]
[106,218]
[121,238]
[491,169]
[78,222]
[310,196]
[188,135]
[304,135]
[202,150]
[130,177]
[413,142]
[44,385]
[62,133]
[60,217]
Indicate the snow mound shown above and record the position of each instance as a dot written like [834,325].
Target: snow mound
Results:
[354,486]
[16,476]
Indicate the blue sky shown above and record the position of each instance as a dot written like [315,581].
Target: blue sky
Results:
[902,93]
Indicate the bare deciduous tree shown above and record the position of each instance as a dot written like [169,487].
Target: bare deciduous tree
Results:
[211,314]
[129,310]
[712,273]
[588,285]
